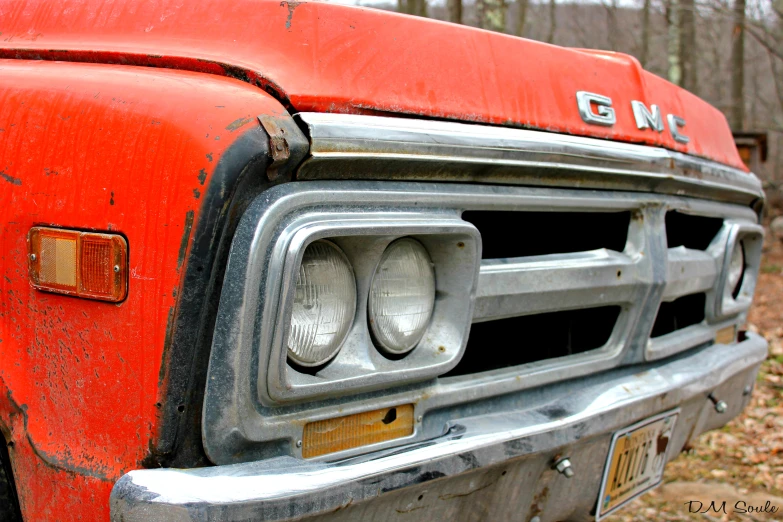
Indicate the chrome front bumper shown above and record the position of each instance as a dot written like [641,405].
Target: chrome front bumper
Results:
[486,467]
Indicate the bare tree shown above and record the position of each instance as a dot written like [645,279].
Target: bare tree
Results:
[492,14]
[737,115]
[612,25]
[421,8]
[645,47]
[673,48]
[522,16]
[552,21]
[455,11]
[688,53]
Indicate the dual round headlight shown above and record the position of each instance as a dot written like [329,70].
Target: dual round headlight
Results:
[402,296]
[324,304]
[400,302]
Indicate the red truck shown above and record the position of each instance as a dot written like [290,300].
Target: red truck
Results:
[268,260]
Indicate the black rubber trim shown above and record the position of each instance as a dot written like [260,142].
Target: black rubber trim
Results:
[239,176]
[9,500]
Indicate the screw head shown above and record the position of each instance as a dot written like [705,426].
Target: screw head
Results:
[299,444]
[748,390]
[721,406]
[116,269]
[32,257]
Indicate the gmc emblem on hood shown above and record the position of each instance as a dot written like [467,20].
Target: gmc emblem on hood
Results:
[597,110]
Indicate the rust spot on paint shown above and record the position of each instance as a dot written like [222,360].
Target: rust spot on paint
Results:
[10,179]
[64,463]
[240,122]
[183,247]
[166,348]
[291,7]
[202,176]
[196,193]
[209,154]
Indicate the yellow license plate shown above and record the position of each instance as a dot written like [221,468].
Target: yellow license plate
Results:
[636,460]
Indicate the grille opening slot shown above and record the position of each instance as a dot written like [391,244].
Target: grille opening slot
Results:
[530,338]
[695,232]
[542,233]
[678,314]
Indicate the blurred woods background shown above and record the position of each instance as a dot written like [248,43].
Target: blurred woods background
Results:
[729,52]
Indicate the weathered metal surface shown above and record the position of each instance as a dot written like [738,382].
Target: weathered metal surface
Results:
[329,58]
[247,421]
[471,461]
[347,146]
[106,148]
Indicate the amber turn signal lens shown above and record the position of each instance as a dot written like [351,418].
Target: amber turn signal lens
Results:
[354,431]
[83,264]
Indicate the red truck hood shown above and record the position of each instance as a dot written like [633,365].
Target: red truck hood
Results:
[330,58]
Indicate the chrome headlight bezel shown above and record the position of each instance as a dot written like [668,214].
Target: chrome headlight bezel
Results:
[750,237]
[454,247]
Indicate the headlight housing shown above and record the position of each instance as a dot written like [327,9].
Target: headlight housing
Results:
[736,271]
[402,296]
[741,259]
[324,305]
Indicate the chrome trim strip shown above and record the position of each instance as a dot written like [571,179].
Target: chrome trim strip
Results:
[346,146]
[568,415]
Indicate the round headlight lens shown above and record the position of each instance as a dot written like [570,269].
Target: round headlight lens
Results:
[402,296]
[324,304]
[736,270]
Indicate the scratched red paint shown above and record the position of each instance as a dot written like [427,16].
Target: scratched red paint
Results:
[331,58]
[105,148]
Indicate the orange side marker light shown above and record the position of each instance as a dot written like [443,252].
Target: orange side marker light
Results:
[357,430]
[82,264]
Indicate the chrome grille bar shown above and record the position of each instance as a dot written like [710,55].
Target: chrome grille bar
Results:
[690,271]
[552,283]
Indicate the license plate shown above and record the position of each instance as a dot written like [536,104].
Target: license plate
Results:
[636,460]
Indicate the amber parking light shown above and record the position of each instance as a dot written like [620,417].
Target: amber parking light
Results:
[81,264]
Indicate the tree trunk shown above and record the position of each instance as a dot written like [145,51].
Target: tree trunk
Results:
[421,8]
[455,11]
[552,21]
[673,48]
[644,54]
[491,14]
[611,24]
[521,16]
[737,118]
[687,50]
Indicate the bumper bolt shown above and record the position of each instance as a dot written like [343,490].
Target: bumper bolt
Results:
[564,467]
[748,389]
[720,406]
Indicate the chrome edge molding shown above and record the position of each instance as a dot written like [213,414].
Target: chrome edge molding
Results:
[572,415]
[347,146]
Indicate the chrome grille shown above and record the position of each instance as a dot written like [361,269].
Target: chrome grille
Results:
[512,171]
